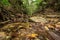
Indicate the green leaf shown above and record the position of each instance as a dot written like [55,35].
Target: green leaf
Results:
[5,2]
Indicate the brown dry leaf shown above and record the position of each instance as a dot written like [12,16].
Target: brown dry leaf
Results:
[37,39]
[53,19]
[50,26]
[10,25]
[2,35]
[32,35]
[18,24]
[57,25]
[38,19]
[26,24]
[22,34]
[46,28]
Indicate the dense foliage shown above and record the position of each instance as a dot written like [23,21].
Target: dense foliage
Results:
[5,2]
[31,5]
